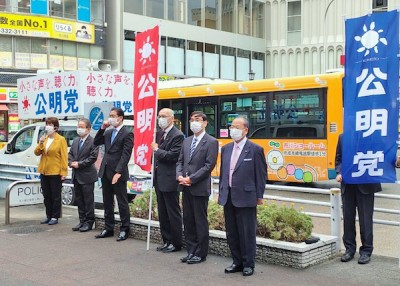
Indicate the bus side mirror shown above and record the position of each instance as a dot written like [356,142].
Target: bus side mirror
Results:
[9,148]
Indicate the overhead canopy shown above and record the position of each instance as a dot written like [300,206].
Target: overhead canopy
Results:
[3,107]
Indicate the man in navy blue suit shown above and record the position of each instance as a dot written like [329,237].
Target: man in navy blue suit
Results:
[241,188]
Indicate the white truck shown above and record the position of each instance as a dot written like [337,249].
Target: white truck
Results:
[64,95]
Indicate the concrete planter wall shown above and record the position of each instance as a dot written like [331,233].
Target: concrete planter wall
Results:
[297,255]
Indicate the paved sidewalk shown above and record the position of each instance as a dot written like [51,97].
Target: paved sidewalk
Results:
[34,254]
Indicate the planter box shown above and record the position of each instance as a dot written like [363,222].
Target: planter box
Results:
[296,255]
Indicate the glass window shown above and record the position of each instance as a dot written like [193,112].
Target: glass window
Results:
[83,50]
[23,45]
[176,10]
[244,17]
[6,5]
[69,49]
[298,114]
[97,12]
[227,16]
[39,46]
[194,12]
[24,6]
[56,47]
[70,9]
[96,52]
[258,19]
[133,6]
[23,140]
[294,23]
[211,13]
[252,107]
[5,44]
[155,8]
[56,8]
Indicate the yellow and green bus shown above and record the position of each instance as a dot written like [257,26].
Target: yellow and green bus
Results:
[296,120]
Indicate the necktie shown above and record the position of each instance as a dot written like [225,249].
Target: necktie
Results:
[80,144]
[113,135]
[193,146]
[162,138]
[234,159]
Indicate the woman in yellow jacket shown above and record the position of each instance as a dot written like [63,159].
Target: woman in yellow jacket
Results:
[53,168]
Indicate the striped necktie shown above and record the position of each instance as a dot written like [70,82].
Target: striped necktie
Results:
[193,146]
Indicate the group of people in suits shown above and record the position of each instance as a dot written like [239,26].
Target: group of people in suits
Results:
[185,165]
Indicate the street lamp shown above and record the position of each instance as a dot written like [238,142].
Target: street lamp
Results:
[251,75]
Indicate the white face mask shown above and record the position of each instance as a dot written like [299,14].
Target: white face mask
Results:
[236,134]
[113,121]
[196,126]
[163,122]
[81,131]
[49,129]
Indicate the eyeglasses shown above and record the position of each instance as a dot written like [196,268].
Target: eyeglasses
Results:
[163,116]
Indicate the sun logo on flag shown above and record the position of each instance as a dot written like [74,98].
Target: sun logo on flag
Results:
[147,50]
[370,39]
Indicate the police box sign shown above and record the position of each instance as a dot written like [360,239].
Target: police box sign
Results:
[29,193]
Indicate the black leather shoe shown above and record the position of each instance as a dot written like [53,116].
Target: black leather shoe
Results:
[364,259]
[162,247]
[196,260]
[45,221]
[186,258]
[122,236]
[105,233]
[77,227]
[248,271]
[171,248]
[85,227]
[234,268]
[347,257]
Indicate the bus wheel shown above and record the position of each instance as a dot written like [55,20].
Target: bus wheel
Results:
[67,194]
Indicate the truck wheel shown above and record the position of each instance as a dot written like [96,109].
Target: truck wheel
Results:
[68,194]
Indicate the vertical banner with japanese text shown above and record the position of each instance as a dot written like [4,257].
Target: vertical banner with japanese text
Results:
[145,95]
[371,88]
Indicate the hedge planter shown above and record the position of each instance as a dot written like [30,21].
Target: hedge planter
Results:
[297,255]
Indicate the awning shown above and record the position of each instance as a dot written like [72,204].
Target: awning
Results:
[3,107]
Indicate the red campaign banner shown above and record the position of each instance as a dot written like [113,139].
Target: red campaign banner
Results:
[145,95]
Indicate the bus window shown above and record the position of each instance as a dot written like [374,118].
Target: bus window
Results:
[251,107]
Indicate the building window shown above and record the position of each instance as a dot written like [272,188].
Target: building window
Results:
[56,8]
[97,12]
[228,16]
[6,51]
[24,6]
[155,8]
[176,10]
[294,23]
[211,13]
[258,19]
[133,6]
[70,9]
[39,53]
[244,17]
[195,13]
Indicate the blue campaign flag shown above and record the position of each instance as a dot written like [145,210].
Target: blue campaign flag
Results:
[371,88]
[83,10]
[39,7]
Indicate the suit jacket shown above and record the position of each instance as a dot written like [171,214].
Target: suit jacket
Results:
[86,157]
[248,178]
[165,159]
[54,161]
[199,166]
[364,188]
[117,154]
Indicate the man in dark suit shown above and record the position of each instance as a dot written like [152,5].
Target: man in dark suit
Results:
[114,174]
[166,152]
[241,188]
[360,197]
[193,172]
[81,158]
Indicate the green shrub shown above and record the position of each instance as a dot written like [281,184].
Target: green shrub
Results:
[273,221]
[140,206]
[283,223]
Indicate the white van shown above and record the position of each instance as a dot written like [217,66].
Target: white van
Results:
[19,151]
